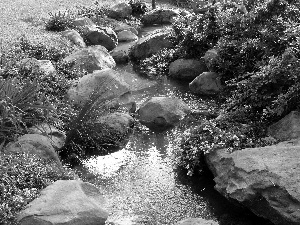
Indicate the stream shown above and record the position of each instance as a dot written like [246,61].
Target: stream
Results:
[142,183]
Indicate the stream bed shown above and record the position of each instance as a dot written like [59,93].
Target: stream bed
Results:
[142,183]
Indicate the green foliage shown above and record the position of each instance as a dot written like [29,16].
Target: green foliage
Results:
[158,64]
[196,34]
[59,22]
[138,7]
[42,51]
[18,102]
[22,177]
[212,135]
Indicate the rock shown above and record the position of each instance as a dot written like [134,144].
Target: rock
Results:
[66,202]
[211,58]
[101,36]
[120,56]
[74,36]
[266,180]
[159,16]
[91,58]
[207,83]
[44,67]
[35,144]
[126,36]
[287,128]
[56,136]
[123,26]
[107,83]
[160,113]
[111,130]
[120,11]
[196,221]
[187,69]
[83,22]
[151,44]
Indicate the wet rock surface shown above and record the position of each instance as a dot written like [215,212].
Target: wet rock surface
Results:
[266,180]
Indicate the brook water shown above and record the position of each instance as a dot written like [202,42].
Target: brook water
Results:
[141,182]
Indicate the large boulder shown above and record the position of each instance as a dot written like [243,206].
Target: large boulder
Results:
[196,221]
[37,144]
[56,136]
[207,83]
[66,202]
[160,113]
[106,83]
[91,58]
[187,69]
[111,130]
[287,128]
[151,44]
[104,36]
[74,37]
[120,11]
[266,180]
[159,16]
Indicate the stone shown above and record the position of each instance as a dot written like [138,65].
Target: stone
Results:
[107,83]
[83,22]
[160,113]
[91,58]
[123,26]
[56,136]
[287,128]
[111,130]
[207,83]
[120,11]
[265,180]
[196,221]
[187,69]
[120,56]
[159,16]
[66,202]
[151,44]
[74,37]
[126,36]
[35,144]
[44,67]
[211,58]
[104,36]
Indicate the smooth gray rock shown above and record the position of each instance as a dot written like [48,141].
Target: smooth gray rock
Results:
[187,69]
[207,83]
[91,58]
[287,128]
[160,113]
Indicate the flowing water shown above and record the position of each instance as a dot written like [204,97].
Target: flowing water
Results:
[141,182]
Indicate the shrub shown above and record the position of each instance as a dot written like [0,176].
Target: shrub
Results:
[22,177]
[212,135]
[138,7]
[59,22]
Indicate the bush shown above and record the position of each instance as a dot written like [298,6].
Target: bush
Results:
[22,177]
[212,135]
[59,22]
[138,7]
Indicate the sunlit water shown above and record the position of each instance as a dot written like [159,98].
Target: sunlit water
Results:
[142,183]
